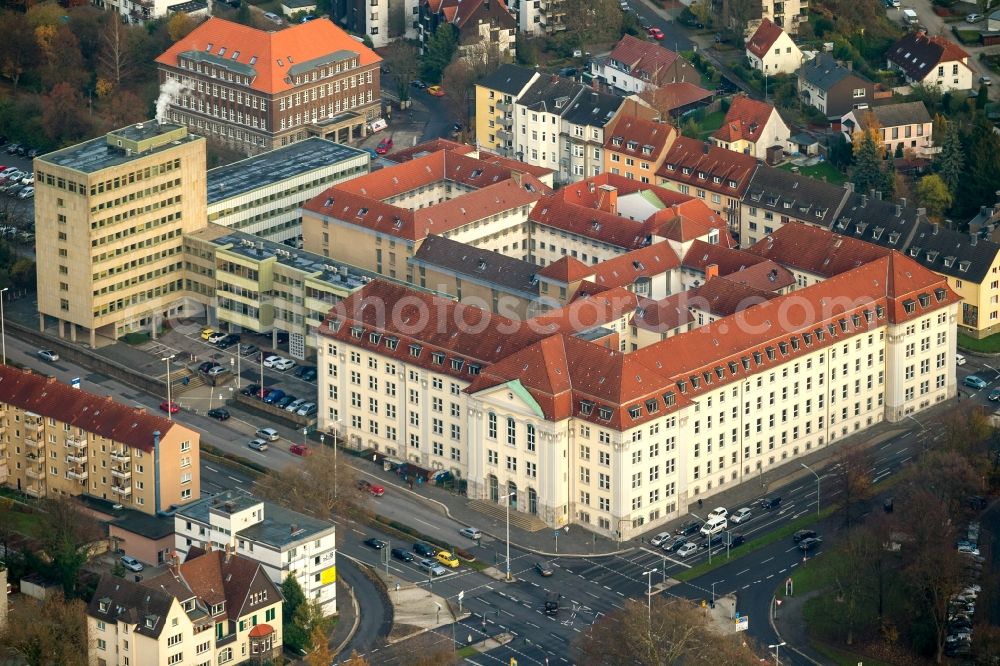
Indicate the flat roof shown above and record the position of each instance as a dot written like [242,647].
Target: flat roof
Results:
[276,528]
[99,153]
[274,166]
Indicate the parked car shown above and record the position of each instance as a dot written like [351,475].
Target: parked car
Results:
[718,512]
[432,567]
[215,336]
[660,539]
[676,545]
[274,396]
[170,407]
[377,544]
[448,559]
[305,372]
[285,401]
[47,355]
[690,527]
[471,533]
[206,366]
[247,350]
[740,515]
[714,540]
[809,543]
[423,549]
[294,405]
[417,83]
[959,359]
[543,569]
[436,91]
[736,540]
[270,434]
[26,193]
[251,390]
[269,361]
[772,502]
[655,33]
[257,444]
[215,371]
[975,382]
[687,549]
[307,409]
[384,146]
[283,364]
[973,18]
[299,450]
[402,555]
[130,563]
[218,413]
[803,534]
[207,332]
[228,341]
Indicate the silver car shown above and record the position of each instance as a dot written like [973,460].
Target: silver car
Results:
[432,567]
[257,445]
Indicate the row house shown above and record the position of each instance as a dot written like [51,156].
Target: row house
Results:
[776,197]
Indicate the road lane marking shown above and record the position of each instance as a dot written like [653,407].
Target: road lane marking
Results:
[211,469]
[767,560]
[742,572]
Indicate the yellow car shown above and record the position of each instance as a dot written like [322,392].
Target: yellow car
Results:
[437,91]
[447,559]
[206,333]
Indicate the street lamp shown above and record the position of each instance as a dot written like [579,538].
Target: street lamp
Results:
[237,362]
[817,485]
[649,598]
[167,359]
[3,332]
[775,648]
[507,497]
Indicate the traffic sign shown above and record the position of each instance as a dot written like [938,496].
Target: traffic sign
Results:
[743,623]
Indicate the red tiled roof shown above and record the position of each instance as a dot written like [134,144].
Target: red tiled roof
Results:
[273,52]
[689,221]
[432,146]
[642,56]
[728,260]
[671,96]
[764,37]
[92,413]
[625,269]
[701,157]
[514,165]
[723,296]
[584,314]
[766,275]
[663,315]
[567,269]
[359,201]
[745,120]
[631,135]
[816,250]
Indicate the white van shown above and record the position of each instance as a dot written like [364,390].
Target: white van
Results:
[909,17]
[714,526]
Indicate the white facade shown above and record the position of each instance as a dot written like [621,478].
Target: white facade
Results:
[774,133]
[118,643]
[783,57]
[311,557]
[377,21]
[536,136]
[948,76]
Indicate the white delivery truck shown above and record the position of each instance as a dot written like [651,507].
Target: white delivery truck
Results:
[910,17]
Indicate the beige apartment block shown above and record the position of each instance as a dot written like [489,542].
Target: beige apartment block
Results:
[110,214]
[55,439]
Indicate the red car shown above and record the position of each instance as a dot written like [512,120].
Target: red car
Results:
[170,407]
[384,146]
[299,450]
[655,33]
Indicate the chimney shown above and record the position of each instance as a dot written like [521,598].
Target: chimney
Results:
[711,271]
[878,194]
[294,528]
[707,146]
[921,212]
[850,65]
[902,202]
[607,199]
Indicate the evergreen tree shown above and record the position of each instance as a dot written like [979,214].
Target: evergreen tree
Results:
[868,173]
[294,637]
[983,97]
[951,160]
[438,53]
[978,182]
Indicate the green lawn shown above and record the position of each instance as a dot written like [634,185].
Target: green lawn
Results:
[819,170]
[842,658]
[990,345]
[710,123]
[23,523]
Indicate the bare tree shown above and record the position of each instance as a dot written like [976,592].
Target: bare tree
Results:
[852,479]
[593,20]
[402,60]
[114,60]
[66,534]
[17,48]
[459,79]
[319,486]
[49,632]
[677,632]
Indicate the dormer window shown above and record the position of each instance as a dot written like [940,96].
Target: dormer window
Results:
[758,358]
[374,337]
[868,316]
[474,369]
[671,167]
[879,311]
[964,266]
[437,358]
[783,348]
[820,335]
[808,338]
[843,325]
[856,319]
[604,413]
[392,343]
[732,367]
[104,604]
[357,331]
[632,145]
[686,171]
[652,406]
[635,412]
[770,353]
[586,408]
[617,140]
[701,175]
[925,300]
[457,363]
[682,386]
[909,305]
[939,294]
[832,329]
[720,372]
[669,399]
[746,362]
[949,262]
[695,383]
[415,351]
[795,344]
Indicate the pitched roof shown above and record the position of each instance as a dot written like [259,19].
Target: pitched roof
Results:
[644,59]
[625,269]
[917,54]
[893,115]
[360,201]
[663,315]
[794,195]
[269,58]
[959,255]
[102,416]
[728,260]
[816,250]
[515,166]
[764,37]
[428,147]
[593,108]
[723,296]
[479,264]
[705,162]
[551,94]
[687,221]
[133,603]
[824,72]
[567,269]
[867,216]
[638,137]
[507,79]
[585,312]
[676,95]
[745,120]
[767,275]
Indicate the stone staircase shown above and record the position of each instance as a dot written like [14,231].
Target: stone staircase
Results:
[524,521]
[177,384]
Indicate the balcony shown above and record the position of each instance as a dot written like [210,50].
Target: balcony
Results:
[77,458]
[79,475]
[507,121]
[504,135]
[35,472]
[122,491]
[37,492]
[505,107]
[76,442]
[33,425]
[3,472]
[34,442]
[123,474]
[120,457]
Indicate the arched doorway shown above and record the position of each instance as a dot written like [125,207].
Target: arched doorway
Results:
[532,501]
[512,491]
[494,485]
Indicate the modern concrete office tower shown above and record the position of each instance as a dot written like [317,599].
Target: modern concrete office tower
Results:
[110,214]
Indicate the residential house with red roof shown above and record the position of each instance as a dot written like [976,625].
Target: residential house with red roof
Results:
[752,127]
[931,60]
[215,607]
[771,51]
[550,412]
[716,175]
[636,147]
[73,442]
[485,29]
[636,65]
[377,221]
[256,90]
